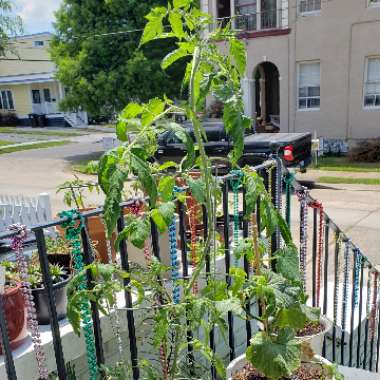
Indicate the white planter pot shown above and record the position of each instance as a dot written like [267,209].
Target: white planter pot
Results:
[315,342]
[236,365]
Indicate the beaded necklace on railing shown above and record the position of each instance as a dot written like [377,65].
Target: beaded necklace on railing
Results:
[278,195]
[337,280]
[17,246]
[289,179]
[270,182]
[357,269]
[321,233]
[302,196]
[174,256]
[193,237]
[347,245]
[235,183]
[369,288]
[73,226]
[372,321]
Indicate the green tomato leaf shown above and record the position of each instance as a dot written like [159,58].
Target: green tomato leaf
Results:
[163,215]
[239,53]
[292,317]
[198,189]
[275,357]
[144,174]
[172,57]
[154,27]
[152,111]
[137,230]
[254,186]
[175,20]
[181,3]
[287,262]
[165,188]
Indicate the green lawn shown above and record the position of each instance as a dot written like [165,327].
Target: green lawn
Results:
[343,164]
[48,144]
[86,167]
[349,181]
[22,131]
[5,142]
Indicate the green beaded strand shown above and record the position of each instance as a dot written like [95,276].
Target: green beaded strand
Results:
[235,184]
[73,227]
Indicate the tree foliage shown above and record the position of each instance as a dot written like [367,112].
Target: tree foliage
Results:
[10,25]
[103,73]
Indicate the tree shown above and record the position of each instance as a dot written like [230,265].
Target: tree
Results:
[9,25]
[102,68]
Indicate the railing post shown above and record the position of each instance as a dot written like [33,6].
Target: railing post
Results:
[128,302]
[48,284]
[88,259]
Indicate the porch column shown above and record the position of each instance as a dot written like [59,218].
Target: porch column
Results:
[258,15]
[233,13]
[263,104]
[60,90]
[248,96]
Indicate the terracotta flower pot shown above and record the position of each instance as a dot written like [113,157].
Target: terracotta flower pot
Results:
[15,315]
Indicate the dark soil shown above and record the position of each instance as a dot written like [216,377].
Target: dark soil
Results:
[311,329]
[305,372]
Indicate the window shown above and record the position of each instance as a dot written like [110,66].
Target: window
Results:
[6,100]
[309,85]
[310,6]
[39,43]
[36,96]
[372,85]
[47,95]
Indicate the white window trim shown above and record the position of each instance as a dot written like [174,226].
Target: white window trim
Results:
[308,13]
[13,98]
[365,107]
[298,109]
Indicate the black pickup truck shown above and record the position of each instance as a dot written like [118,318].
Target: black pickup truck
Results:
[294,148]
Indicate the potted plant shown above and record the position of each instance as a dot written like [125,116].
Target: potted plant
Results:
[14,307]
[186,321]
[60,279]
[59,252]
[74,195]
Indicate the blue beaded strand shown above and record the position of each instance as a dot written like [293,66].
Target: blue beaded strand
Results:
[174,260]
[345,284]
[358,264]
[235,184]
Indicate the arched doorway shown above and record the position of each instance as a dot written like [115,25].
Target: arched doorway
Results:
[267,94]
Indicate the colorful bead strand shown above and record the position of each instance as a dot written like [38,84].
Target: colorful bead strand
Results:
[345,283]
[235,185]
[319,258]
[302,196]
[73,226]
[193,238]
[372,321]
[337,280]
[17,247]
[278,195]
[357,269]
[174,260]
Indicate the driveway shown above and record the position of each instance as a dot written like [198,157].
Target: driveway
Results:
[32,172]
[354,208]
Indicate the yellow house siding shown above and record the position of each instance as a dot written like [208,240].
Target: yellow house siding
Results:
[21,98]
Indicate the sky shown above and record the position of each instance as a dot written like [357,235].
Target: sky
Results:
[37,15]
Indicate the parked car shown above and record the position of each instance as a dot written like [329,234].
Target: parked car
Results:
[294,148]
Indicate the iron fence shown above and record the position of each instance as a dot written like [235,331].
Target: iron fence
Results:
[341,280]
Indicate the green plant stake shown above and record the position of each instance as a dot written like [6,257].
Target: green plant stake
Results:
[73,227]
[235,185]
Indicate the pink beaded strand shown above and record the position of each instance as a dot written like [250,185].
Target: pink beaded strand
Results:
[17,246]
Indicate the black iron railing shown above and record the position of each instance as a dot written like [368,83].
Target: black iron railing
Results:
[338,274]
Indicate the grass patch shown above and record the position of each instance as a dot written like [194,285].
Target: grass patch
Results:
[343,164]
[86,167]
[22,131]
[48,144]
[5,142]
[349,181]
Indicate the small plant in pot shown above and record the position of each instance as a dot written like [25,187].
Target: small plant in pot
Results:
[14,307]
[60,279]
[59,252]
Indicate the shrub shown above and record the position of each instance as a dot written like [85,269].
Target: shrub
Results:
[366,151]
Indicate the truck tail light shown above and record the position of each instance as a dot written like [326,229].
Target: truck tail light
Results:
[288,153]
